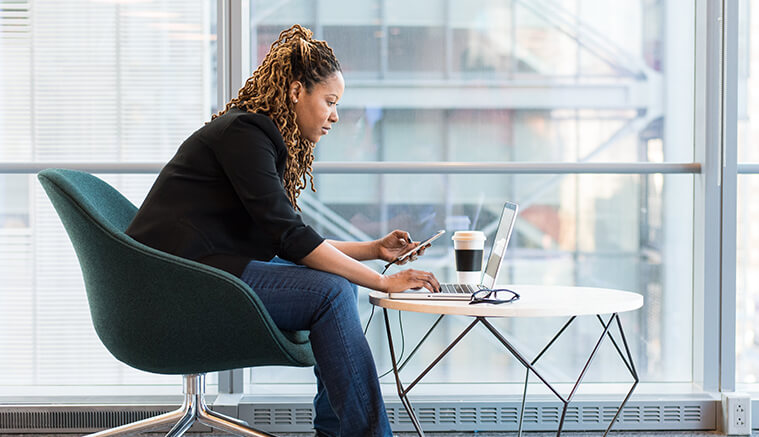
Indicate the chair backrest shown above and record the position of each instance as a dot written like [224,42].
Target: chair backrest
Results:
[155,311]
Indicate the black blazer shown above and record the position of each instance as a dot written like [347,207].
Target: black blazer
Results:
[221,199]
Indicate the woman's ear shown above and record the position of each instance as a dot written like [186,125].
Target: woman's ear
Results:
[296,88]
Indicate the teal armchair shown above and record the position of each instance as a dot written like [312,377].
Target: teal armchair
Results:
[164,314]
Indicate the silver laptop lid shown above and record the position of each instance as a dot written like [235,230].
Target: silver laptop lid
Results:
[501,241]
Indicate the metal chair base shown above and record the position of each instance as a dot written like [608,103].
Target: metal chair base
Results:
[193,409]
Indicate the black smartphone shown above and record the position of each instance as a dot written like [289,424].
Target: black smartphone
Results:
[420,246]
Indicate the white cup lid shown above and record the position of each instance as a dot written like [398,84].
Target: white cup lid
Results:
[468,236]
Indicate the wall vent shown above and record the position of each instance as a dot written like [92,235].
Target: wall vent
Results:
[277,417]
[434,416]
[282,416]
[48,420]
[545,416]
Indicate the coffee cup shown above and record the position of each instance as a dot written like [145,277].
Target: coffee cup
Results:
[468,246]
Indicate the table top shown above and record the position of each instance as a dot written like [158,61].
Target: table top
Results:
[534,301]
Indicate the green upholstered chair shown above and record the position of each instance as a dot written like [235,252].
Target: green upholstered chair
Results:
[164,314]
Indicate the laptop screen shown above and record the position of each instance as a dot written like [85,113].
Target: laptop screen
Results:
[502,236]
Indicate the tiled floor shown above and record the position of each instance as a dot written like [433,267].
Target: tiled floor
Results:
[549,434]
[463,434]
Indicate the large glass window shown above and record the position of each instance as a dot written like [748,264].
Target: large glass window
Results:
[747,301]
[85,81]
[507,81]
[434,80]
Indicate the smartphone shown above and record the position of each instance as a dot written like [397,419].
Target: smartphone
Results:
[420,246]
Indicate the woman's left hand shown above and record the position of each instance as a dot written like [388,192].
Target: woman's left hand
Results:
[395,244]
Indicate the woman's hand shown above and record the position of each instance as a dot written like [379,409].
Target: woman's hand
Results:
[410,279]
[395,244]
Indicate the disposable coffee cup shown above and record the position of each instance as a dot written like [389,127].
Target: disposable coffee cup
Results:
[468,246]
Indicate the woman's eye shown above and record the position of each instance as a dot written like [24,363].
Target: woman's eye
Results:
[331,103]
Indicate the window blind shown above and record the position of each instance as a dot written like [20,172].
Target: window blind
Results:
[85,81]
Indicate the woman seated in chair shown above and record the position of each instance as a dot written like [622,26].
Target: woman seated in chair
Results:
[228,199]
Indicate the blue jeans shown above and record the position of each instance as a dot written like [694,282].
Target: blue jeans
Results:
[348,401]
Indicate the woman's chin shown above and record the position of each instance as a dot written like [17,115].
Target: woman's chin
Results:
[312,138]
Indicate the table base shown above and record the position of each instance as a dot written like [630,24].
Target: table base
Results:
[529,365]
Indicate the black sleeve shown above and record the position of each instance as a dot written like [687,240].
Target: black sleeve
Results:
[247,156]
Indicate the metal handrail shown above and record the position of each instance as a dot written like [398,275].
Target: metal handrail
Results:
[748,168]
[400,167]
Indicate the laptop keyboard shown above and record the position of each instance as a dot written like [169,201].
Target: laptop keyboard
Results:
[458,288]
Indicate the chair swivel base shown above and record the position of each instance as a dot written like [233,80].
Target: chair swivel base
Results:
[193,409]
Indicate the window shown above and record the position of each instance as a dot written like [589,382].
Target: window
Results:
[427,81]
[747,340]
[85,81]
[499,81]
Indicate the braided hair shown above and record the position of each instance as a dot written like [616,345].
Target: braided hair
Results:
[294,56]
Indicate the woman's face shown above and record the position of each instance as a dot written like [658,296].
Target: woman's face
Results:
[316,111]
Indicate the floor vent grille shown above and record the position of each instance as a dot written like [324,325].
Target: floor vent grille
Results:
[69,420]
[437,416]
[693,415]
[282,416]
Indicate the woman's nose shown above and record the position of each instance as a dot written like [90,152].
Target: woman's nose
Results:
[333,117]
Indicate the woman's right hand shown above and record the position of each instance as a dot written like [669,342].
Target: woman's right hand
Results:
[410,279]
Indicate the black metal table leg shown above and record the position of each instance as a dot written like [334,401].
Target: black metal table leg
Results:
[529,366]
[398,384]
[582,373]
[627,360]
[532,363]
[403,392]
[630,366]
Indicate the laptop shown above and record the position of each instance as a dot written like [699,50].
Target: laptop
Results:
[488,276]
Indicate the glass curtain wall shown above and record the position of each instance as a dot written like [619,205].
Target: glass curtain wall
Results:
[85,81]
[747,299]
[485,80]
[515,81]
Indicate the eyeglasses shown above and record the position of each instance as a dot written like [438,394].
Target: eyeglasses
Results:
[487,295]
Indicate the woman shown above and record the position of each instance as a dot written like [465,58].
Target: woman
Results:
[228,199]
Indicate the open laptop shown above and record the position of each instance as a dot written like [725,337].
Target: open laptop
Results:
[489,275]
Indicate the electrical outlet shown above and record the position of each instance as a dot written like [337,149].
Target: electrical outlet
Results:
[736,413]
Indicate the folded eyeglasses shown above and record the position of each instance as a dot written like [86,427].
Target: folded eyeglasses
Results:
[487,295]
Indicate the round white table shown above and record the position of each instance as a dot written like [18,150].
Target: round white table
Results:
[534,301]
